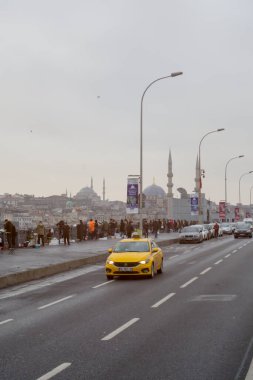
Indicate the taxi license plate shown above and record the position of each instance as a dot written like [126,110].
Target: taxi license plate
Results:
[125,269]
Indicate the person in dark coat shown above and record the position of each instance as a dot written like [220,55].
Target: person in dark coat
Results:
[96,230]
[8,226]
[122,228]
[216,229]
[145,228]
[155,228]
[80,231]
[60,226]
[129,229]
[66,233]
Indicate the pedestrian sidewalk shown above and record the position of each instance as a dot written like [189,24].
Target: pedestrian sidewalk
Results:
[28,264]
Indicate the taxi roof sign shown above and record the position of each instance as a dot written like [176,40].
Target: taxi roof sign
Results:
[136,235]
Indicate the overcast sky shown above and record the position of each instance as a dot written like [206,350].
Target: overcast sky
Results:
[72,76]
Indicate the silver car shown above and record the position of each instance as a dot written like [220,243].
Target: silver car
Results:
[227,228]
[191,234]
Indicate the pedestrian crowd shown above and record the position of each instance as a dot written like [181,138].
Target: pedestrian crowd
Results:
[85,230]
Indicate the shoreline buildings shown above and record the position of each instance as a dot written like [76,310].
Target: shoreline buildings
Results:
[27,210]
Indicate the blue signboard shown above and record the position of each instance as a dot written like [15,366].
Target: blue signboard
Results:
[194,204]
[132,195]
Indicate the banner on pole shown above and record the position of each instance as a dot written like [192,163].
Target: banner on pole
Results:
[194,204]
[222,211]
[132,194]
[237,214]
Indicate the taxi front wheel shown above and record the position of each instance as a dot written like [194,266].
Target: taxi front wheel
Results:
[109,277]
[151,275]
[160,270]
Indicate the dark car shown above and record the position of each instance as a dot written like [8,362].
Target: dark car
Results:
[242,230]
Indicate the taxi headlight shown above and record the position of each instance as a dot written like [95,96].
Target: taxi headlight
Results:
[144,261]
[110,262]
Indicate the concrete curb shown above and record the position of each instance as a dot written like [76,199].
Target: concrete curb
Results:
[50,270]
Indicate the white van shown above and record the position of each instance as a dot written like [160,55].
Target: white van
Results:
[249,221]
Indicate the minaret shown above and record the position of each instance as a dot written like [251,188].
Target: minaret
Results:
[91,183]
[197,176]
[103,189]
[170,175]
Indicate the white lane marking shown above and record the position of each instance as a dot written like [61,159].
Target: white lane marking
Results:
[189,282]
[48,282]
[54,371]
[218,262]
[104,283]
[55,302]
[206,270]
[240,247]
[163,300]
[227,255]
[172,257]
[120,329]
[6,321]
[234,251]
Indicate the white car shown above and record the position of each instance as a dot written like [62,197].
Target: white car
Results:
[210,232]
[203,230]
[227,228]
[220,230]
[193,234]
[211,229]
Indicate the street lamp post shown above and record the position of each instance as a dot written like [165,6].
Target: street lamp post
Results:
[231,159]
[240,184]
[172,75]
[200,173]
[250,198]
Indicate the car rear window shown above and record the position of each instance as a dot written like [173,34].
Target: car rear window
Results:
[191,229]
[244,226]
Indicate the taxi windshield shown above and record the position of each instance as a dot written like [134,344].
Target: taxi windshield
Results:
[132,246]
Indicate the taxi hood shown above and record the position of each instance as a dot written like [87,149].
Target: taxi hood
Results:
[128,256]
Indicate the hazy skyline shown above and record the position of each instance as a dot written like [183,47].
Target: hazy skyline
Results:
[72,76]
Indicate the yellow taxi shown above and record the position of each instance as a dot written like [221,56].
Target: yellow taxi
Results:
[134,257]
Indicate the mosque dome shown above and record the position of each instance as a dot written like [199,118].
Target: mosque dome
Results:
[86,193]
[69,204]
[154,191]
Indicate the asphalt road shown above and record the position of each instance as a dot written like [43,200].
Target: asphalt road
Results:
[195,321]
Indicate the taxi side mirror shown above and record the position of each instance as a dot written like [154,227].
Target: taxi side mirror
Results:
[110,250]
[155,249]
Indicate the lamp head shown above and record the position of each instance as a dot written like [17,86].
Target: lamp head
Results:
[241,156]
[220,129]
[176,74]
